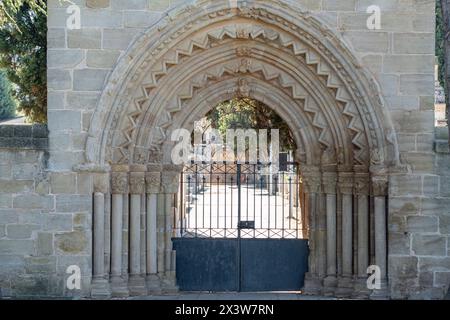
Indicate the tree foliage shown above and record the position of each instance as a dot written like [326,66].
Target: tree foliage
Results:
[440,51]
[7,102]
[23,47]
[245,113]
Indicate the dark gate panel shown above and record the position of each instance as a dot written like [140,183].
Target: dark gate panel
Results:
[207,264]
[240,228]
[273,264]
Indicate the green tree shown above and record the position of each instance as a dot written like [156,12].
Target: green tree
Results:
[23,47]
[245,113]
[440,51]
[7,102]
[443,49]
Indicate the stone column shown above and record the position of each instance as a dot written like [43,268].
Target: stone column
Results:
[170,182]
[380,192]
[161,224]
[136,282]
[329,180]
[119,185]
[100,285]
[153,182]
[143,221]
[345,282]
[312,181]
[362,202]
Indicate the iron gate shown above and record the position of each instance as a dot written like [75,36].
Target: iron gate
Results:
[240,227]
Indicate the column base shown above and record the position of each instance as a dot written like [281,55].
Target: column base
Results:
[153,284]
[380,294]
[137,285]
[100,289]
[361,291]
[313,285]
[345,287]
[169,283]
[329,286]
[119,287]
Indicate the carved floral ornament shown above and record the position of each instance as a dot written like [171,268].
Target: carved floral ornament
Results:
[153,182]
[380,186]
[137,182]
[329,56]
[170,181]
[119,182]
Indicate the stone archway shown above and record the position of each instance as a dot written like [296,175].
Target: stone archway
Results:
[271,51]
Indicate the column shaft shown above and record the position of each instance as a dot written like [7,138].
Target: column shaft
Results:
[363,235]
[168,231]
[331,234]
[152,247]
[135,234]
[136,282]
[380,192]
[380,234]
[116,237]
[119,186]
[99,235]
[312,206]
[100,284]
[321,236]
[143,226]
[312,183]
[347,240]
[345,281]
[160,234]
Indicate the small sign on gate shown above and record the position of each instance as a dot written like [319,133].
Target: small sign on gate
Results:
[246,225]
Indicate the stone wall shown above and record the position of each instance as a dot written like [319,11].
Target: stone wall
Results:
[419,213]
[46,207]
[44,217]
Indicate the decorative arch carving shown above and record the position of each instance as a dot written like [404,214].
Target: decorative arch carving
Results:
[139,101]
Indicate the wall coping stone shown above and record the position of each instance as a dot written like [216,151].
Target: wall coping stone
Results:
[24,136]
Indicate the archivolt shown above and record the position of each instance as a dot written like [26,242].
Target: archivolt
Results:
[268,42]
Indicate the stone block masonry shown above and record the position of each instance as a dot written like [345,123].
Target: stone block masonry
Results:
[47,190]
[42,229]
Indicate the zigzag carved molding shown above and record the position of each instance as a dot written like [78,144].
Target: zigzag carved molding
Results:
[204,41]
[190,19]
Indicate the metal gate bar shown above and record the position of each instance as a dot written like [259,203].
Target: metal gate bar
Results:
[221,184]
[225,248]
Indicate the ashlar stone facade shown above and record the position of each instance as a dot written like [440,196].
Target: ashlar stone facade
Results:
[358,101]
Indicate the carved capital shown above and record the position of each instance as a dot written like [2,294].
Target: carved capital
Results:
[153,182]
[346,182]
[377,157]
[137,182]
[101,182]
[380,186]
[119,182]
[362,184]
[170,181]
[329,182]
[140,155]
[311,179]
[312,184]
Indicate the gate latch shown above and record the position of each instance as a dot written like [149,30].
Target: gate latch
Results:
[246,225]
